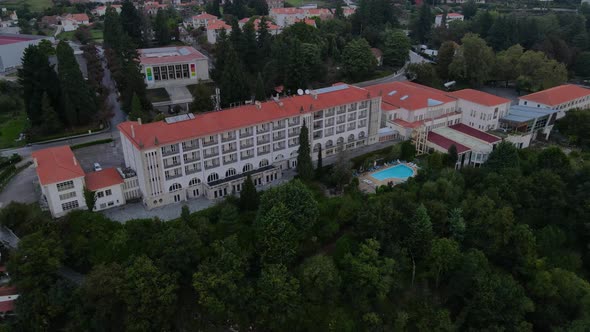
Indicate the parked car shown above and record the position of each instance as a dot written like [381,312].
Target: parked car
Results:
[97,167]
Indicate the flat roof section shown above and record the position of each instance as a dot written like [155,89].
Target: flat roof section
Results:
[165,55]
[476,133]
[522,114]
[445,142]
[469,141]
[10,38]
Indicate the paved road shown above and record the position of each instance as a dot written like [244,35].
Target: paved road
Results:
[398,76]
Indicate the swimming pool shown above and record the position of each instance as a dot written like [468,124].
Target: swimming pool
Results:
[396,172]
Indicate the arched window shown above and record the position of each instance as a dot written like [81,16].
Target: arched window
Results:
[279,157]
[294,153]
[316,147]
[175,187]
[340,140]
[329,144]
[263,163]
[351,137]
[361,134]
[212,177]
[247,168]
[194,182]
[230,172]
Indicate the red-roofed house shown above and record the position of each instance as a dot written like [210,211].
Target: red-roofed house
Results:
[107,185]
[71,22]
[473,146]
[211,153]
[284,17]
[202,19]
[214,28]
[273,29]
[481,110]
[102,10]
[173,65]
[438,20]
[61,179]
[7,297]
[562,98]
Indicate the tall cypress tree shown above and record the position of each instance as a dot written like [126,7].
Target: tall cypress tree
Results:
[132,22]
[234,85]
[161,28]
[320,164]
[304,164]
[248,196]
[260,90]
[113,30]
[79,100]
[249,48]
[264,41]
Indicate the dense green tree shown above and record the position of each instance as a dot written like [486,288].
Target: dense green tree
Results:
[408,151]
[233,84]
[446,53]
[319,165]
[418,237]
[113,29]
[132,22]
[320,279]
[89,198]
[456,224]
[304,164]
[201,98]
[452,156]
[162,28]
[249,47]
[423,73]
[149,295]
[396,48]
[248,196]
[276,237]
[213,8]
[469,9]
[473,60]
[443,256]
[260,94]
[136,110]
[582,66]
[358,60]
[104,300]
[537,72]
[576,126]
[278,299]
[52,123]
[506,65]
[422,24]
[505,155]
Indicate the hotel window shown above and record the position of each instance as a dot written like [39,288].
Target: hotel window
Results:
[100,194]
[171,72]
[108,192]
[69,205]
[185,72]
[164,73]
[178,71]
[157,73]
[65,196]
[65,185]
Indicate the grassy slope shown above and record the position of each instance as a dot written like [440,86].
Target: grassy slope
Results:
[10,128]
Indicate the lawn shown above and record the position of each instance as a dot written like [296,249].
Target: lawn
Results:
[35,5]
[97,35]
[319,3]
[10,129]
[157,95]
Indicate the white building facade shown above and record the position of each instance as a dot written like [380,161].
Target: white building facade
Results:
[561,98]
[175,65]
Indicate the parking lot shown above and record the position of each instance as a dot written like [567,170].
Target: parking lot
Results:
[107,155]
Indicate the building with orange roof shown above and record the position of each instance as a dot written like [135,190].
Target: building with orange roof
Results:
[561,98]
[173,66]
[214,28]
[107,185]
[438,20]
[272,28]
[71,22]
[102,10]
[202,19]
[479,109]
[284,17]
[61,179]
[210,154]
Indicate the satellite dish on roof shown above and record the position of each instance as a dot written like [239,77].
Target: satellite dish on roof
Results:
[306,91]
[300,92]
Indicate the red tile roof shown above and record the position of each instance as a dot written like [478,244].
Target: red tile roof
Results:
[164,55]
[217,25]
[147,135]
[57,164]
[79,18]
[479,97]
[415,124]
[557,95]
[446,143]
[483,136]
[8,290]
[205,16]
[408,95]
[7,306]
[102,179]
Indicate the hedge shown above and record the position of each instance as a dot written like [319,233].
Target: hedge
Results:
[15,158]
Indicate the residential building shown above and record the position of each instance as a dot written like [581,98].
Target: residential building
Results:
[473,146]
[12,47]
[522,124]
[173,65]
[275,3]
[210,154]
[152,7]
[273,29]
[561,98]
[61,179]
[450,17]
[202,19]
[8,294]
[102,10]
[71,22]
[214,28]
[107,187]
[479,109]
[284,17]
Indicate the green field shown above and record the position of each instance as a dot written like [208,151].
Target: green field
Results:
[10,128]
[97,35]
[35,5]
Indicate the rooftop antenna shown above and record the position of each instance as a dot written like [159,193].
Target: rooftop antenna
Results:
[300,92]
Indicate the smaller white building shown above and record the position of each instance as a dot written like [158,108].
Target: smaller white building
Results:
[561,98]
[107,187]
[479,109]
[438,20]
[102,10]
[174,65]
[72,22]
[202,19]
[523,124]
[214,28]
[61,179]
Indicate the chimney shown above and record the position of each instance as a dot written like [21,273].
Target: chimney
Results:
[139,121]
[75,161]
[258,105]
[35,162]
[314,95]
[132,132]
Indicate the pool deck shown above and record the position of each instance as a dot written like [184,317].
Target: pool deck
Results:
[367,183]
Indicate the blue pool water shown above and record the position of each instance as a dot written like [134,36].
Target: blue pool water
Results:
[396,172]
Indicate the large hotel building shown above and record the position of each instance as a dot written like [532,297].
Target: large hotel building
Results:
[210,154]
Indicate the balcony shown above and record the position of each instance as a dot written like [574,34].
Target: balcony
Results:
[208,154]
[190,159]
[169,152]
[293,143]
[209,143]
[189,147]
[246,133]
[246,145]
[317,134]
[191,170]
[229,149]
[294,122]
[279,126]
[171,164]
[229,161]
[262,130]
[212,165]
[293,133]
[244,156]
[340,120]
[173,176]
[228,138]
[263,140]
[318,115]
[339,130]
[318,125]
[262,152]
[278,136]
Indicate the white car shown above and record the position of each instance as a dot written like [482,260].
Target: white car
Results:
[97,167]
